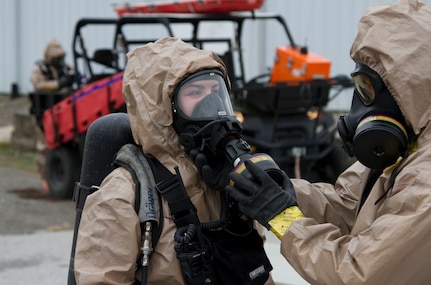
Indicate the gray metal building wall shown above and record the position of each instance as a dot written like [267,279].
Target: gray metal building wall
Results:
[27,25]
[327,27]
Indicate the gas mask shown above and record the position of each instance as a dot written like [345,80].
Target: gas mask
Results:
[204,120]
[203,114]
[59,62]
[374,130]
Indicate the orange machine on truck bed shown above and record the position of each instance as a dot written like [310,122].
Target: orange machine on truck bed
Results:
[295,65]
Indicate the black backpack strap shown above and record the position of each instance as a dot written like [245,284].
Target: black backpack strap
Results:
[45,69]
[80,194]
[171,187]
[192,248]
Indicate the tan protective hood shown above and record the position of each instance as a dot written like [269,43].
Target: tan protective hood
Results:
[152,74]
[394,40]
[53,50]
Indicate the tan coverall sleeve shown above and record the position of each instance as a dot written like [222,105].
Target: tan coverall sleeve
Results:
[108,240]
[334,204]
[384,251]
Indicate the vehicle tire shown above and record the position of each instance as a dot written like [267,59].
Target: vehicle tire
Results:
[62,170]
[332,165]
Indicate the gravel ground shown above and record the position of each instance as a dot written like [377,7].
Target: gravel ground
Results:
[24,206]
[10,107]
[35,230]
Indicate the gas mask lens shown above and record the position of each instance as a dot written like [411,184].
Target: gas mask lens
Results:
[365,88]
[204,96]
[367,83]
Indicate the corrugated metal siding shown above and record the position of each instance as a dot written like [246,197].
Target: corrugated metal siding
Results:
[7,47]
[326,27]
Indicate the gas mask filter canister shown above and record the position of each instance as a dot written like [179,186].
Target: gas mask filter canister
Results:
[374,130]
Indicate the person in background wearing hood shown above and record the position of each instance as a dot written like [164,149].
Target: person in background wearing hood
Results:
[51,74]
[171,89]
[373,225]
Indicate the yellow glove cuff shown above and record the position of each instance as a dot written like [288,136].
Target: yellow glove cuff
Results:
[280,223]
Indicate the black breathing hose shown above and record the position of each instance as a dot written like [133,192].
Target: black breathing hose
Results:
[185,234]
[144,275]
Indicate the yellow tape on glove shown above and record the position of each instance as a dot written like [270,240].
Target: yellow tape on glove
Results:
[280,223]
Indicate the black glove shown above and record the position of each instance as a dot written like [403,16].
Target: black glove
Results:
[66,80]
[261,198]
[215,173]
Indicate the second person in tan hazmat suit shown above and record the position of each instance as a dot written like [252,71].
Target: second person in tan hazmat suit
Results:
[51,74]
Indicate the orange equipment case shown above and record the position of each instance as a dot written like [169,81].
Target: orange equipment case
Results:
[293,65]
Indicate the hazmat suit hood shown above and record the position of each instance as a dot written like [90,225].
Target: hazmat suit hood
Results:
[150,79]
[53,50]
[394,40]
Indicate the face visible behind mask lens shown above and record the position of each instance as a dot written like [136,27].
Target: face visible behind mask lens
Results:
[375,131]
[201,98]
[203,113]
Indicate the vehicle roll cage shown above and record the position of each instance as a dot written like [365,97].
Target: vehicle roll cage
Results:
[110,57]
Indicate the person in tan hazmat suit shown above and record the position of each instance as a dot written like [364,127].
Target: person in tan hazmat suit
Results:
[373,225]
[162,80]
[52,73]
[49,74]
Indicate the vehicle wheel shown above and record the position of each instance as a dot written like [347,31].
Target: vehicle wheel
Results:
[334,164]
[62,170]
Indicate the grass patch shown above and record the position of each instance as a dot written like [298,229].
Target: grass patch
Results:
[18,160]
